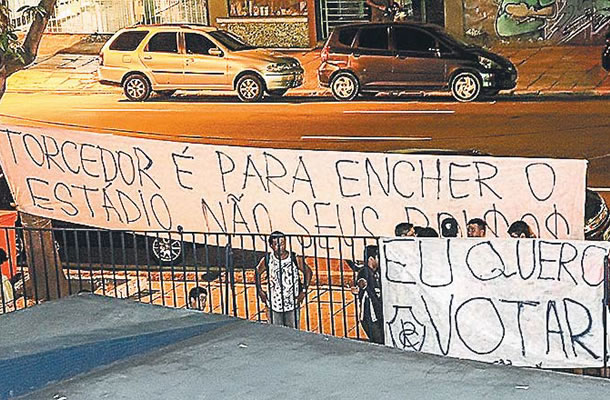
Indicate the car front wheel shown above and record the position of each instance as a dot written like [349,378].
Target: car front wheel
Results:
[465,87]
[250,88]
[344,86]
[136,88]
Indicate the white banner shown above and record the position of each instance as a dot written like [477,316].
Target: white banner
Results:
[132,183]
[525,302]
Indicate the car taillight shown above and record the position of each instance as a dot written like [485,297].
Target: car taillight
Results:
[101,58]
[324,53]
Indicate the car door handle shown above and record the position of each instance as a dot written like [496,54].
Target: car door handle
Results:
[147,57]
[356,55]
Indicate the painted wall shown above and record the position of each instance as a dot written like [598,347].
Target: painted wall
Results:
[269,32]
[548,21]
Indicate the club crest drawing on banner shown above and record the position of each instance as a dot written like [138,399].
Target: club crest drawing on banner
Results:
[406,332]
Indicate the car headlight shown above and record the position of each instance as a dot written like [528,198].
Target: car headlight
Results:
[487,63]
[278,67]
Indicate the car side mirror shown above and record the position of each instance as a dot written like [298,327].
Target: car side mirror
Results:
[215,51]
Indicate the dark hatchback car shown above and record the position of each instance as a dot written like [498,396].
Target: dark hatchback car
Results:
[369,58]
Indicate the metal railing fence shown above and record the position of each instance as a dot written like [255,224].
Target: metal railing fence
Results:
[164,268]
[340,12]
[211,272]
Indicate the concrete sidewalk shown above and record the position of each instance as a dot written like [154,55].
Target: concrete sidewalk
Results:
[543,71]
[91,347]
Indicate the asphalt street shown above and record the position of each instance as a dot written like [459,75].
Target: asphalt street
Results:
[512,126]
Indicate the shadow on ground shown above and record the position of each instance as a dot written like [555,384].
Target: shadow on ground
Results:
[515,98]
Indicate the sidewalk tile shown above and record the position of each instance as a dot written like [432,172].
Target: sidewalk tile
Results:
[592,77]
[544,82]
[567,81]
[526,78]
[604,85]
[522,56]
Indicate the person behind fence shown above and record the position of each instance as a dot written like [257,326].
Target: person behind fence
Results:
[520,229]
[380,10]
[476,227]
[404,229]
[198,297]
[6,289]
[426,232]
[449,228]
[286,290]
[368,282]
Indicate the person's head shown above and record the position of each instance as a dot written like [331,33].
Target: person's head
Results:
[520,229]
[277,241]
[449,227]
[198,297]
[371,256]
[476,227]
[3,256]
[427,232]
[404,229]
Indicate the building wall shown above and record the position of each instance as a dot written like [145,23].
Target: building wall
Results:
[108,16]
[217,9]
[454,21]
[272,32]
[536,21]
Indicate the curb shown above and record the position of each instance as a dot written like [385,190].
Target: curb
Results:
[326,93]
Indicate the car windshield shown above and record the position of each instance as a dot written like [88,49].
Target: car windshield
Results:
[229,40]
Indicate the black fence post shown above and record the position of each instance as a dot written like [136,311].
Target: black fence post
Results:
[605,315]
[230,281]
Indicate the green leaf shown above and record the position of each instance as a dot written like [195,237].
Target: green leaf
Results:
[32,10]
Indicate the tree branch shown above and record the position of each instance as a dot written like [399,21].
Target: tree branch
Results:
[32,39]
[10,66]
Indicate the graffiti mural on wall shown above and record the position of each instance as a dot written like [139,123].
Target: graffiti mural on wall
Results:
[524,17]
[579,18]
[558,21]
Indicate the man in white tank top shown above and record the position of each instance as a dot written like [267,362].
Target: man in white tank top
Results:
[284,291]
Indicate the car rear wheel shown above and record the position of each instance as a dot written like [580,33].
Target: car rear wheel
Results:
[465,87]
[250,88]
[136,87]
[344,86]
[167,251]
